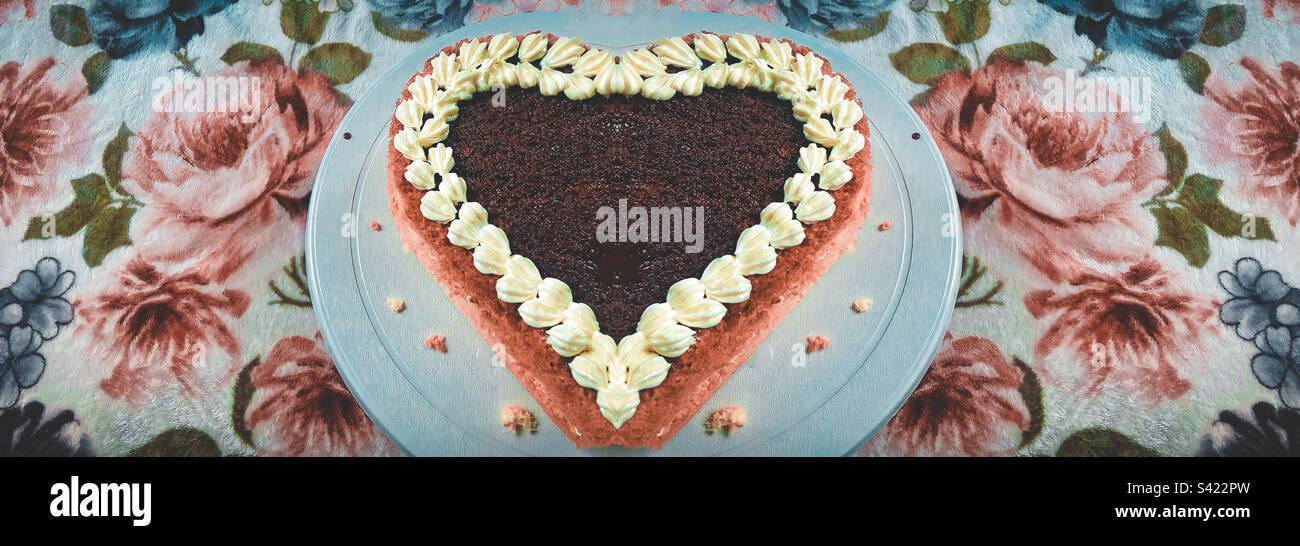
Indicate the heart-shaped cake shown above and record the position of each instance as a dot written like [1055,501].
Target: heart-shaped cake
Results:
[626,230]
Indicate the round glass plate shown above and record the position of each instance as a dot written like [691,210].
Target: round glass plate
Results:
[826,403]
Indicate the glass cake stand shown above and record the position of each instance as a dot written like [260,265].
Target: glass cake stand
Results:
[828,403]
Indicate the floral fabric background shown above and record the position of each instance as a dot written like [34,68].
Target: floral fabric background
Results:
[1125,289]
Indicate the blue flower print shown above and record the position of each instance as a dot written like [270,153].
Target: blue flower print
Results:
[819,16]
[30,431]
[1277,366]
[1264,431]
[1260,298]
[1163,27]
[20,365]
[32,311]
[36,300]
[434,16]
[125,27]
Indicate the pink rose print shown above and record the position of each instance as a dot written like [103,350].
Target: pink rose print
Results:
[1268,8]
[221,188]
[301,407]
[7,7]
[968,403]
[43,128]
[1137,330]
[1259,126]
[1014,160]
[155,328]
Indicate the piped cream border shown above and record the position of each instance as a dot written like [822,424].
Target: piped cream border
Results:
[619,371]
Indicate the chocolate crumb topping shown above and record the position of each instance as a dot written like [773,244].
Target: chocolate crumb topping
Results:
[544,166]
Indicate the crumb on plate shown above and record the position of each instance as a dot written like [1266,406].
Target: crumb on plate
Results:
[861,305]
[884,226]
[436,342]
[517,419]
[396,305]
[816,343]
[727,420]
[374,226]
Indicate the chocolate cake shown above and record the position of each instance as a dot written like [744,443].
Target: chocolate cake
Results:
[629,228]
